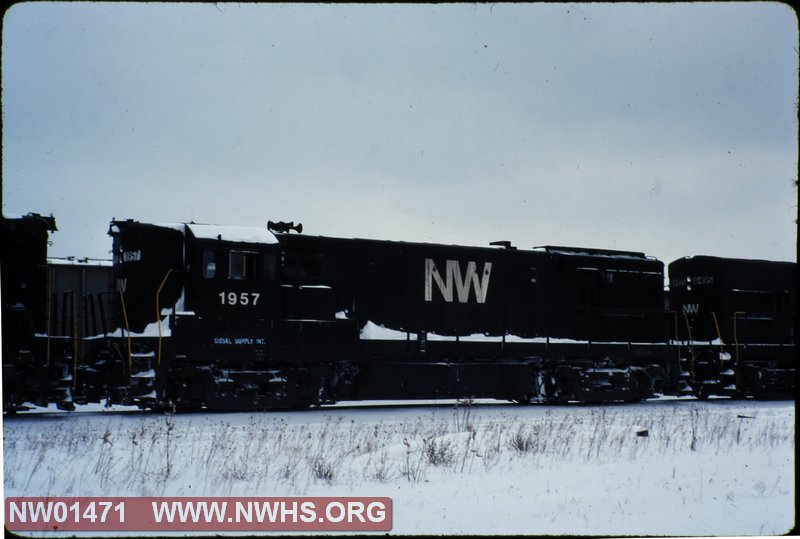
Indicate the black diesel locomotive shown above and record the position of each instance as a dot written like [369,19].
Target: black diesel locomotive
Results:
[738,319]
[30,361]
[55,312]
[257,318]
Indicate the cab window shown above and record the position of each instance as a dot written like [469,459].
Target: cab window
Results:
[270,265]
[242,265]
[209,264]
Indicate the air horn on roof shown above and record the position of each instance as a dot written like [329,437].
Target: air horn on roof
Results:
[283,227]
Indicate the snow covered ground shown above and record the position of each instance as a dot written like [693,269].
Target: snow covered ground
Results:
[704,468]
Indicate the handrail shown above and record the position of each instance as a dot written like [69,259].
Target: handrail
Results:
[49,313]
[74,342]
[158,315]
[736,336]
[721,347]
[691,346]
[127,329]
[719,334]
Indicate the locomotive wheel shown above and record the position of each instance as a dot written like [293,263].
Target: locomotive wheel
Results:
[301,404]
[526,400]
[190,406]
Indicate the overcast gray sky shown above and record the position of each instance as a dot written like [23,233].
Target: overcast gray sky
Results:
[664,128]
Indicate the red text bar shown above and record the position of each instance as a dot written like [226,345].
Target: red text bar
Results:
[199,514]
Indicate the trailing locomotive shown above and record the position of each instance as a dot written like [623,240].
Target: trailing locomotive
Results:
[735,320]
[223,317]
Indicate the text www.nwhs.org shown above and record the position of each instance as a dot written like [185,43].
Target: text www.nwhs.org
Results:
[203,514]
[273,512]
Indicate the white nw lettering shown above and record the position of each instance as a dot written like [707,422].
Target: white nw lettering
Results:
[691,308]
[463,285]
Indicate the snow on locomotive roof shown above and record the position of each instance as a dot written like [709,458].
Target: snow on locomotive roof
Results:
[73,261]
[232,233]
[585,251]
[244,234]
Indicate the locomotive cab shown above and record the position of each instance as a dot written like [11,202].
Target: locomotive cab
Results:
[231,270]
[214,311]
[230,294]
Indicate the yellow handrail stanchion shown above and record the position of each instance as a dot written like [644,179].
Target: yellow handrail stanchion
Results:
[691,347]
[127,329]
[719,336]
[736,336]
[49,313]
[74,343]
[158,315]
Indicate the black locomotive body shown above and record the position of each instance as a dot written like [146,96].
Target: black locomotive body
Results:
[234,317]
[735,323]
[447,321]
[28,361]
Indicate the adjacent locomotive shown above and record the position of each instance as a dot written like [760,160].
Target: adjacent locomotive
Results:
[736,321]
[29,364]
[55,313]
[224,317]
